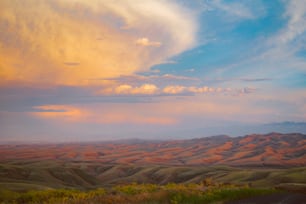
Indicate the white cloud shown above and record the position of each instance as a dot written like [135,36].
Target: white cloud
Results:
[165,21]
[279,51]
[275,55]
[234,9]
[296,12]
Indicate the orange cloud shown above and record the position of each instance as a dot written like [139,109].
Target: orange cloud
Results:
[70,42]
[63,112]
[99,114]
[145,89]
[174,89]
[125,89]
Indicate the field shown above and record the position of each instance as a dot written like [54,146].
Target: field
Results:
[105,172]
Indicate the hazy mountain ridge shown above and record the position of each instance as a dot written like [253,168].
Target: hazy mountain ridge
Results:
[273,149]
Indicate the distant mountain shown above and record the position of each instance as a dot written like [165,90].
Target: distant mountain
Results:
[286,127]
[238,129]
[273,149]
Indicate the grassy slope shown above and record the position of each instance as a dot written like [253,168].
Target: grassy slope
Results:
[86,175]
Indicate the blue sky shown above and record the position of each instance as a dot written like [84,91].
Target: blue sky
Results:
[98,70]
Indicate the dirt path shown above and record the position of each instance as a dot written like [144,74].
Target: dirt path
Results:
[279,198]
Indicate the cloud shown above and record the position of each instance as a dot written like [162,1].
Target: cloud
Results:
[153,90]
[296,12]
[275,54]
[234,9]
[174,89]
[278,52]
[176,77]
[145,89]
[198,90]
[212,105]
[147,42]
[137,80]
[126,89]
[97,114]
[123,89]
[204,89]
[256,79]
[190,70]
[40,35]
[63,112]
[291,37]
[247,90]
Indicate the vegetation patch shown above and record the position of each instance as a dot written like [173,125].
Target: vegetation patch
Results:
[171,193]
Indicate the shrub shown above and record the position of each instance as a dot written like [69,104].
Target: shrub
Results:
[133,189]
[6,195]
[207,181]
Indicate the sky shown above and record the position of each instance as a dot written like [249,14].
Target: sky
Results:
[85,70]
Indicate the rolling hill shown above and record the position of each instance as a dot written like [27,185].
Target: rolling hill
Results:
[259,160]
[272,149]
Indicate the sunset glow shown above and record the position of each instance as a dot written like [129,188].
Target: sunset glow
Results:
[100,69]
